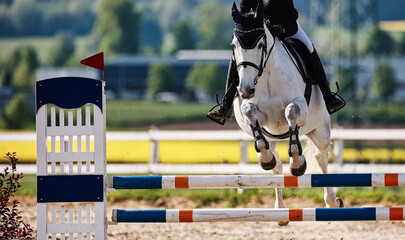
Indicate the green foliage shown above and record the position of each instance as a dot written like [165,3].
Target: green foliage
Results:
[373,113]
[207,77]
[379,43]
[62,50]
[215,26]
[118,26]
[5,73]
[161,78]
[183,35]
[11,223]
[24,63]
[151,35]
[17,114]
[401,45]
[384,83]
[347,82]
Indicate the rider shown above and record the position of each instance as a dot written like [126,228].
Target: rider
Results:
[283,24]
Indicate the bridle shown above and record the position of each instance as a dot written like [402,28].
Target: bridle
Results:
[264,57]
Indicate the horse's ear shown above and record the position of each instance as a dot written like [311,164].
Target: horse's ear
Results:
[259,12]
[236,15]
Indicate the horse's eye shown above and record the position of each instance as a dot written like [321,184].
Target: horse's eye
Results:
[260,46]
[233,46]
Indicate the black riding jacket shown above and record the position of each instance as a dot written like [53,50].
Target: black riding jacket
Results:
[277,12]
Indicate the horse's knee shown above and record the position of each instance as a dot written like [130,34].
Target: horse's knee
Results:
[292,111]
[249,110]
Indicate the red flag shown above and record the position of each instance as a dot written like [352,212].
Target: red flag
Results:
[95,61]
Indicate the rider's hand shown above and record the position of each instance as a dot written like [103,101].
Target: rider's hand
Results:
[277,30]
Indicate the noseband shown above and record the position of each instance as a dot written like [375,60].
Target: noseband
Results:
[263,59]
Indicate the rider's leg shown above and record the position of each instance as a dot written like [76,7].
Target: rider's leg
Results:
[333,101]
[224,111]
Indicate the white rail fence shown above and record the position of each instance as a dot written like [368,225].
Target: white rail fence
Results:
[338,137]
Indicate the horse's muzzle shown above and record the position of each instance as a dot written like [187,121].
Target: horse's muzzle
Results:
[248,93]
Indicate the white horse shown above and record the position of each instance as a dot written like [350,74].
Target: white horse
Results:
[271,101]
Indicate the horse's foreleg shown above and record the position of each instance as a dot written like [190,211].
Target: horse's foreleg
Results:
[264,154]
[320,137]
[297,160]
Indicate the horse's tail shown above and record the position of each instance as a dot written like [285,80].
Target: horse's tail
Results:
[309,153]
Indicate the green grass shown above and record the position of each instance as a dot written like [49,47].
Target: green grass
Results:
[42,45]
[28,185]
[129,115]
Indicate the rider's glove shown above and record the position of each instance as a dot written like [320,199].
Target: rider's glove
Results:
[277,30]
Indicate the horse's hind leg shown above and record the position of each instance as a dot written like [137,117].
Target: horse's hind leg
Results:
[293,112]
[278,170]
[320,137]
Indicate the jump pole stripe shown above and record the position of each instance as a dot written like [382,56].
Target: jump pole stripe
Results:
[258,181]
[259,215]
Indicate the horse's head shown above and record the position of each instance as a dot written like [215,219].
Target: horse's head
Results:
[250,48]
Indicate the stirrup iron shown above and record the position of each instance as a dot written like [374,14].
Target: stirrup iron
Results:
[221,122]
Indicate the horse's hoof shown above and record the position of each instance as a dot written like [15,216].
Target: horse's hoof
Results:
[341,204]
[283,223]
[299,171]
[269,165]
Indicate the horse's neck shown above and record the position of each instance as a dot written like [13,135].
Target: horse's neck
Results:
[279,57]
[281,70]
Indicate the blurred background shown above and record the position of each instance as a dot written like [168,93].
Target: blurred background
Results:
[166,60]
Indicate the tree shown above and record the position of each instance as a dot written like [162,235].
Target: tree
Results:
[151,35]
[118,27]
[215,26]
[17,114]
[384,83]
[5,73]
[62,51]
[26,17]
[24,63]
[183,35]
[401,45]
[347,83]
[160,79]
[379,43]
[207,77]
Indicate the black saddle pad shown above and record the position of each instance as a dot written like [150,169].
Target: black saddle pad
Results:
[302,57]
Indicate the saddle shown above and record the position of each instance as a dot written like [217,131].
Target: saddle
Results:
[302,60]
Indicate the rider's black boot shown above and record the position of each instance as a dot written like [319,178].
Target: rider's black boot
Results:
[224,111]
[333,101]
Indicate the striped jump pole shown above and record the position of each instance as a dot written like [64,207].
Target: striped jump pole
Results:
[258,181]
[259,215]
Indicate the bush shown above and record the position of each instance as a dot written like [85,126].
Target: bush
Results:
[11,223]
[161,79]
[207,77]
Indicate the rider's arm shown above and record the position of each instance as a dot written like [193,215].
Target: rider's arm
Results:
[248,5]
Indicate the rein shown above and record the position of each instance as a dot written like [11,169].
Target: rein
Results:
[263,59]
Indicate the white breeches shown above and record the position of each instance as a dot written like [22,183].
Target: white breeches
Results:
[300,35]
